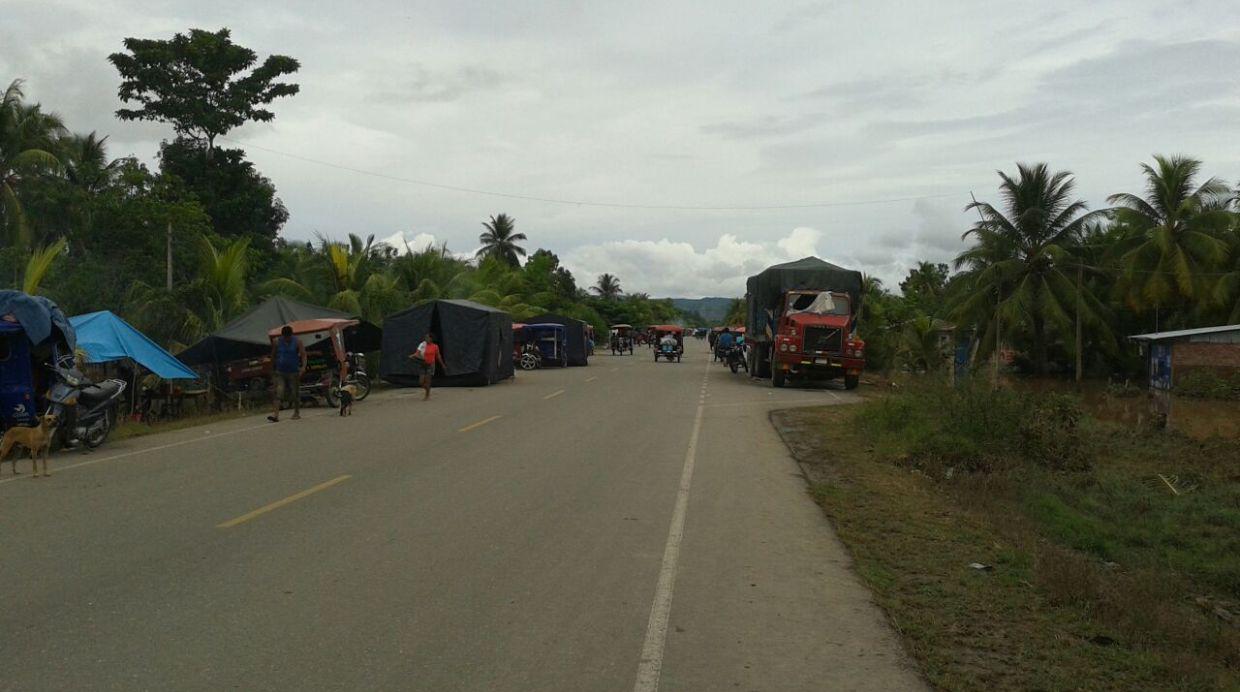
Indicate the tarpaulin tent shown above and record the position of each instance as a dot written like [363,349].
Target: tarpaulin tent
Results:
[40,318]
[246,336]
[475,341]
[764,289]
[577,337]
[105,337]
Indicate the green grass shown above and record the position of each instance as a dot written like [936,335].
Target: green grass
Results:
[130,429]
[1102,577]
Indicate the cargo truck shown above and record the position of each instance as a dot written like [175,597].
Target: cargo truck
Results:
[802,323]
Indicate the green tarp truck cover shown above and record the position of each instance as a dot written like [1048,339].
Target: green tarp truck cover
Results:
[764,289]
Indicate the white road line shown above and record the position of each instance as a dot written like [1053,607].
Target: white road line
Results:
[651,664]
[553,394]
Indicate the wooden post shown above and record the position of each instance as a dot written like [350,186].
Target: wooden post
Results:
[168,252]
[1080,274]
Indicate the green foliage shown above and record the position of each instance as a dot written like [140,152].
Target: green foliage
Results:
[1205,384]
[607,287]
[977,429]
[201,82]
[240,201]
[40,262]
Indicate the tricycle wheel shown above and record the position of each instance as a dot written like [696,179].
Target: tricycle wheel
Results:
[529,361]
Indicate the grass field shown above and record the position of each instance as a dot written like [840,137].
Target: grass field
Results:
[1109,558]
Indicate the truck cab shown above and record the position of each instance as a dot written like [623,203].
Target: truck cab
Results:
[815,336]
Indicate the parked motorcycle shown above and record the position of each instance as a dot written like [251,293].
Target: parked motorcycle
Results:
[87,410]
[357,375]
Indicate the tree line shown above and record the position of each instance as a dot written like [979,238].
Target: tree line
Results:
[1051,280]
[183,248]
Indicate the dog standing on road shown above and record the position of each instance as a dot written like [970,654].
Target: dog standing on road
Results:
[347,394]
[37,439]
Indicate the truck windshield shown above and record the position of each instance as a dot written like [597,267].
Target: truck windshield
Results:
[818,304]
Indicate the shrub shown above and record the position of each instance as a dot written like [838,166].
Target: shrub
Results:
[1205,384]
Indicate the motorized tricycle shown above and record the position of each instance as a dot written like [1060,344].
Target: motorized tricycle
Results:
[621,339]
[668,350]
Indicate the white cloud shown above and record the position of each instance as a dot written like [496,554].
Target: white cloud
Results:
[668,268]
[414,240]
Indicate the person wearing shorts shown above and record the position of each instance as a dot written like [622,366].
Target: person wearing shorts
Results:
[288,361]
[425,358]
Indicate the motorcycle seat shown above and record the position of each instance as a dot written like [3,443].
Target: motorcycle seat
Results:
[101,391]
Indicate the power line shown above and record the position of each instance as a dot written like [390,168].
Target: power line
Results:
[584,203]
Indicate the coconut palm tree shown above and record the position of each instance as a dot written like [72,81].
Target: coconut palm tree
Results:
[1176,230]
[607,287]
[343,276]
[39,264]
[500,241]
[1227,290]
[27,139]
[215,295]
[1020,269]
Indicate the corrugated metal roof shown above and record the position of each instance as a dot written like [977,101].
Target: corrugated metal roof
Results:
[1159,336]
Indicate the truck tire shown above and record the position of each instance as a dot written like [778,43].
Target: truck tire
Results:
[851,381]
[778,377]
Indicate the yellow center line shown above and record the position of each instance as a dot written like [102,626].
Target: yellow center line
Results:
[280,503]
[591,379]
[553,394]
[479,424]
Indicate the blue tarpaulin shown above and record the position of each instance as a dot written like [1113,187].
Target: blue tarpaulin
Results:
[105,337]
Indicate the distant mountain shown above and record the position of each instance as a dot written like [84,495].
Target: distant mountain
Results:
[711,309]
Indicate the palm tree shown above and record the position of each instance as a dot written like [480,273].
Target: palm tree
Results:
[1019,267]
[919,347]
[194,309]
[499,240]
[39,264]
[1176,230]
[607,287]
[27,140]
[1227,290]
[343,276]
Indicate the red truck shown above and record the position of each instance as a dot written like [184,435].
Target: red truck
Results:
[802,322]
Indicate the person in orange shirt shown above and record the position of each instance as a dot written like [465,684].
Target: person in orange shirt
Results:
[426,356]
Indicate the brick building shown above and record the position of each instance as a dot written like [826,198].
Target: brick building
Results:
[1172,355]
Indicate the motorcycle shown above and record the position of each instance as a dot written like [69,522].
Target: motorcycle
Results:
[735,358]
[357,375]
[89,408]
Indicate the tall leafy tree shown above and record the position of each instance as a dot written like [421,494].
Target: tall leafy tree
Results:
[241,202]
[1021,266]
[925,285]
[200,82]
[607,287]
[1176,229]
[500,239]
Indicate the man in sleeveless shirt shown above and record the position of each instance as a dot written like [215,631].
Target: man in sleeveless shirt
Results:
[288,361]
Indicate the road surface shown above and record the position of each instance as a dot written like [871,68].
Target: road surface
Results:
[625,526]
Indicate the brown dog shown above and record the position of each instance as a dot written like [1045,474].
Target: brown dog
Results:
[37,439]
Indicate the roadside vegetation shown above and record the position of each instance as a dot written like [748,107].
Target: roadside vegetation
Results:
[1018,544]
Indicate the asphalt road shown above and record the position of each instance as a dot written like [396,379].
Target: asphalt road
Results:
[625,526]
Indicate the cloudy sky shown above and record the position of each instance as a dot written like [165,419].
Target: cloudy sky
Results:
[869,123]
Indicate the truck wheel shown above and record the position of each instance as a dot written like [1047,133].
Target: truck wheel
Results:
[851,381]
[778,377]
[761,363]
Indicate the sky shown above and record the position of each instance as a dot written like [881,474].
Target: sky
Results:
[859,129]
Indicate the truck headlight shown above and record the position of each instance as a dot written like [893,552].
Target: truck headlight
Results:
[784,347]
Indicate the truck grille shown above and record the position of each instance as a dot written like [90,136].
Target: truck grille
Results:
[823,340]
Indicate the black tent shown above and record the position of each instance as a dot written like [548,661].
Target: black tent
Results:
[475,341]
[246,336]
[577,337]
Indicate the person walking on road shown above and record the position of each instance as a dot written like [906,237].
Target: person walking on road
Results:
[288,359]
[426,357]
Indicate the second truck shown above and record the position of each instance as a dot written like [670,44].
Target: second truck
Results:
[802,323]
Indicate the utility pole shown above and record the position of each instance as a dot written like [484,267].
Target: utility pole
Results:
[1080,275]
[169,256]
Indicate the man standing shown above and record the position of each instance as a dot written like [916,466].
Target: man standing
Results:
[288,359]
[425,358]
